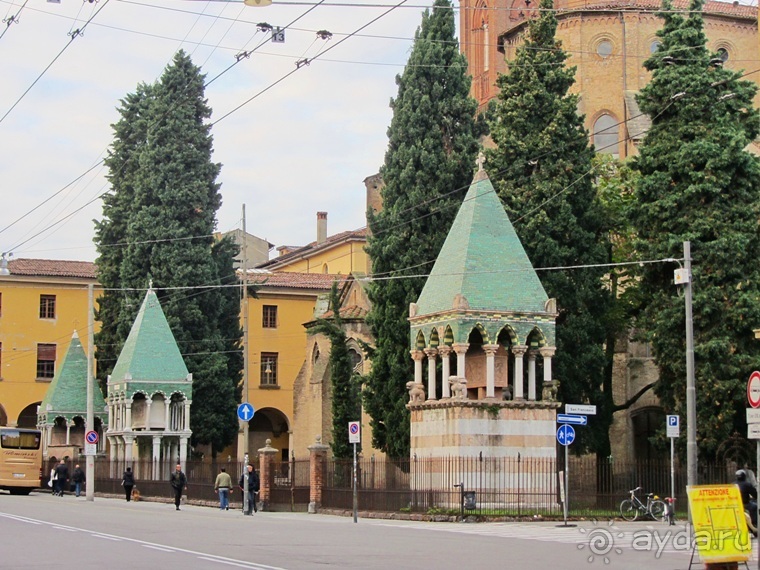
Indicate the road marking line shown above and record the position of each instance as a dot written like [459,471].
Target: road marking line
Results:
[215,558]
[239,564]
[106,537]
[157,548]
[64,528]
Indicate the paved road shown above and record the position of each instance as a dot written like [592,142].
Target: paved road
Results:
[42,531]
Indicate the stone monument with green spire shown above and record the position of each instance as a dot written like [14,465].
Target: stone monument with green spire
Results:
[149,395]
[63,412]
[485,317]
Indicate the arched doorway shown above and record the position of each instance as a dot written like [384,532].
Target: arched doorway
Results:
[3,416]
[28,416]
[269,423]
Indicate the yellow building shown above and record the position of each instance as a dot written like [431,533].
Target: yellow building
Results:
[42,302]
[607,42]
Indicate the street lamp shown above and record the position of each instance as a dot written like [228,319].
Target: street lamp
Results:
[257,3]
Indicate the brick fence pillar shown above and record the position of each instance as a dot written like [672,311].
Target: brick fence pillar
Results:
[266,474]
[317,457]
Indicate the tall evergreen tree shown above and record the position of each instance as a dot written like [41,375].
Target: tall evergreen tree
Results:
[431,155]
[110,232]
[699,184]
[164,208]
[541,170]
[345,384]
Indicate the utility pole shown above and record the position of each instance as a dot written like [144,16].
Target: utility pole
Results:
[90,421]
[691,390]
[245,361]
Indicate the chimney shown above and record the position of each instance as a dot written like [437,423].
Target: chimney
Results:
[321,227]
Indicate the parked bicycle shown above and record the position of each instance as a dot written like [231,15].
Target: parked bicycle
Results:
[633,508]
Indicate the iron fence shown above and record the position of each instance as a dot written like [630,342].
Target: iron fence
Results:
[501,486]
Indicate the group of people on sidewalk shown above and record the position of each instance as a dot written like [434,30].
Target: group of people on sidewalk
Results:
[59,477]
[223,486]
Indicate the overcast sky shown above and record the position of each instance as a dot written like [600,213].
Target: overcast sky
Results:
[303,146]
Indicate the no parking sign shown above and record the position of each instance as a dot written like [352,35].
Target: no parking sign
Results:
[354,432]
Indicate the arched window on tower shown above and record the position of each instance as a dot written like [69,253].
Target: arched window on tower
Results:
[606,129]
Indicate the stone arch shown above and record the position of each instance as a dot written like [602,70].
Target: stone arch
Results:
[434,341]
[58,431]
[448,336]
[3,416]
[77,427]
[535,339]
[269,423]
[481,330]
[27,418]
[176,419]
[356,354]
[420,343]
[507,333]
[606,133]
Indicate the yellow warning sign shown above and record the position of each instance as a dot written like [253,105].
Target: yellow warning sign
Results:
[720,531]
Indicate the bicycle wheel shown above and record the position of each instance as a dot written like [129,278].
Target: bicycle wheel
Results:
[657,510]
[628,510]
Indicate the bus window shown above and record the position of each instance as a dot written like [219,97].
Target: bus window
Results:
[19,440]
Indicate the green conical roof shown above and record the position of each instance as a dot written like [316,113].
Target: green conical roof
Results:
[482,259]
[67,393]
[151,352]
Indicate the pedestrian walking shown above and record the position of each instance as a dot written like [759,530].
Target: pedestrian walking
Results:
[61,477]
[78,477]
[253,489]
[179,482]
[223,486]
[128,481]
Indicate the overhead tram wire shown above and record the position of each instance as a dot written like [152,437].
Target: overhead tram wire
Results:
[13,19]
[298,67]
[125,163]
[74,35]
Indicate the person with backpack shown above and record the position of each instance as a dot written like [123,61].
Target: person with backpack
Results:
[128,481]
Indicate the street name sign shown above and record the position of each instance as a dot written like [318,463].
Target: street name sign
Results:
[585,409]
[572,419]
[753,415]
[753,431]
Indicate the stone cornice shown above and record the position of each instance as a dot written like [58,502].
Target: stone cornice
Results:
[508,404]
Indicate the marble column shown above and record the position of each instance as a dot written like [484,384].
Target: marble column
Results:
[129,441]
[490,350]
[519,351]
[417,355]
[186,422]
[431,353]
[183,451]
[128,419]
[148,403]
[68,432]
[460,348]
[156,457]
[167,416]
[445,351]
[547,352]
[531,375]
[110,415]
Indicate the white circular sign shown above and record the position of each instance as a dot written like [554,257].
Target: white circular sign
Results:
[753,389]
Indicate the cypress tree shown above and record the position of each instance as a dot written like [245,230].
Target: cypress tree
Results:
[699,184]
[169,217]
[541,170]
[431,154]
[346,395]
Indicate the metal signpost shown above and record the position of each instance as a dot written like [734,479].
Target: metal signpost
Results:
[245,412]
[566,436]
[672,430]
[354,437]
[753,426]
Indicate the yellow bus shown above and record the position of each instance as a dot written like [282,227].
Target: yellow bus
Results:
[20,460]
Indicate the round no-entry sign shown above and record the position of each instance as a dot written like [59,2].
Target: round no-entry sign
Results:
[753,389]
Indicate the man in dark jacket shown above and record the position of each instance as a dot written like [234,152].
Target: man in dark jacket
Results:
[78,478]
[61,477]
[749,495]
[179,482]
[253,488]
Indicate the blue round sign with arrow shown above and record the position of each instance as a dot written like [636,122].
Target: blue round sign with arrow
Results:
[245,411]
